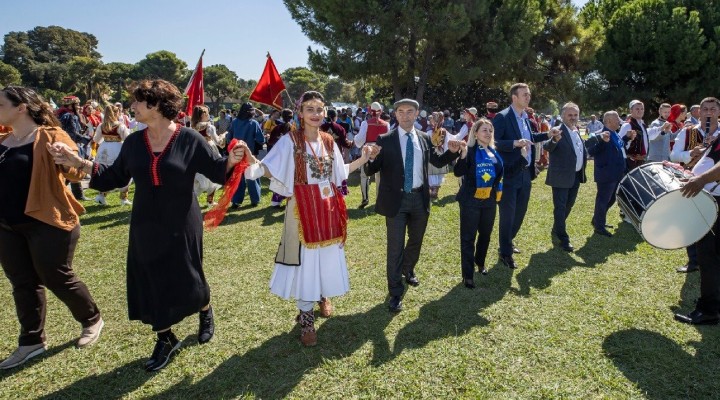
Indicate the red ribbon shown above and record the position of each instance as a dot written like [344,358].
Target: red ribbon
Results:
[214,217]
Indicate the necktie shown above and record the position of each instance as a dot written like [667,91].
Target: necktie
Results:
[409,158]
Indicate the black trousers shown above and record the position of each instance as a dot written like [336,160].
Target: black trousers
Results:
[401,257]
[563,202]
[475,222]
[709,261]
[35,256]
[604,199]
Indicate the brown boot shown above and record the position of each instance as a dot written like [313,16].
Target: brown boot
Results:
[308,336]
[326,307]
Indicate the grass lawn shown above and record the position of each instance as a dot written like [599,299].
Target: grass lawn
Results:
[596,323]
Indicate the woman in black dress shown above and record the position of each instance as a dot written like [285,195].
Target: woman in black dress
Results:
[482,168]
[165,279]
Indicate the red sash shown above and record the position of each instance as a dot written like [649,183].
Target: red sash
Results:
[322,221]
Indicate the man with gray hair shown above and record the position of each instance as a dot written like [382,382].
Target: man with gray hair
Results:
[568,158]
[608,152]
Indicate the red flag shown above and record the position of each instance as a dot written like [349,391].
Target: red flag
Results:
[195,89]
[269,87]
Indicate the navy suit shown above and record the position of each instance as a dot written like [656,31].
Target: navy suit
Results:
[564,178]
[517,176]
[609,170]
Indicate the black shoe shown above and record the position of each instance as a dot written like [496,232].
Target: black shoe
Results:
[687,268]
[469,283]
[483,270]
[567,247]
[363,204]
[515,250]
[163,352]
[412,281]
[252,205]
[207,326]
[395,304]
[235,206]
[697,317]
[508,260]
[602,231]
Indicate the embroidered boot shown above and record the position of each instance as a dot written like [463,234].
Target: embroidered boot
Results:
[308,336]
[326,307]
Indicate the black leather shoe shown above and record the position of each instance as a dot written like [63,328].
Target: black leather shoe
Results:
[508,260]
[412,281]
[207,326]
[567,247]
[363,204]
[469,283]
[516,250]
[395,304]
[483,270]
[687,268]
[163,352]
[697,317]
[602,231]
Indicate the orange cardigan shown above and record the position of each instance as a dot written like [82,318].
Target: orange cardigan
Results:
[49,199]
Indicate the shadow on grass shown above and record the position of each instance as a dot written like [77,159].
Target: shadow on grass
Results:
[4,373]
[113,384]
[661,368]
[542,267]
[456,313]
[598,248]
[109,220]
[275,368]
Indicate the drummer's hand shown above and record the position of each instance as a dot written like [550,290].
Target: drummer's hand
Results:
[693,186]
[605,136]
[697,151]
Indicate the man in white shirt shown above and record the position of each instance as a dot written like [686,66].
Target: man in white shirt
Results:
[594,126]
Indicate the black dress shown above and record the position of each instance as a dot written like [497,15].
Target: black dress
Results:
[165,279]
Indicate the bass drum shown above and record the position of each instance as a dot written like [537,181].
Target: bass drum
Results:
[649,195]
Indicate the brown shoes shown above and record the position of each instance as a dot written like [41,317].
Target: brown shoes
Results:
[308,336]
[326,307]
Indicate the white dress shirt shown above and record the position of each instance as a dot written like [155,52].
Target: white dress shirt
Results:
[417,155]
[577,146]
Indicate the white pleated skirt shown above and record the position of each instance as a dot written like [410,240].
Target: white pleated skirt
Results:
[322,273]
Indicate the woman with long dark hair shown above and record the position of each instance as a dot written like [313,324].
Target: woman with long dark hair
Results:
[39,223]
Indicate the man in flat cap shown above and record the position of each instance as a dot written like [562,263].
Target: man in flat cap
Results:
[403,193]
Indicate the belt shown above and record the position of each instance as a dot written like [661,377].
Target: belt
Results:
[415,190]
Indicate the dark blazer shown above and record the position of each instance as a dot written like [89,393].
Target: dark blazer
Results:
[466,167]
[561,171]
[609,160]
[506,132]
[389,163]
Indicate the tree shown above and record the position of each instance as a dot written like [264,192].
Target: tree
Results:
[119,75]
[300,79]
[43,54]
[220,83]
[657,51]
[9,75]
[84,74]
[163,64]
[413,43]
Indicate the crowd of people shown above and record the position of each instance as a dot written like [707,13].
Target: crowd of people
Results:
[307,153]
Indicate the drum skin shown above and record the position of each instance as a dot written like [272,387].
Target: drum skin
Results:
[650,197]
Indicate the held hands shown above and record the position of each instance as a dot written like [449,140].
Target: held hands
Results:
[631,134]
[238,153]
[454,145]
[667,127]
[63,155]
[374,151]
[555,134]
[521,143]
[605,136]
[463,150]
[697,151]
[365,155]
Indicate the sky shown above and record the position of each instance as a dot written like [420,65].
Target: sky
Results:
[235,33]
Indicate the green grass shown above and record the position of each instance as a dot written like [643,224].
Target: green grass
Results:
[596,323]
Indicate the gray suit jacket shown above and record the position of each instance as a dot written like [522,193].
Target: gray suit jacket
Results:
[561,172]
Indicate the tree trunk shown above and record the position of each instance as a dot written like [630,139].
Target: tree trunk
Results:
[427,64]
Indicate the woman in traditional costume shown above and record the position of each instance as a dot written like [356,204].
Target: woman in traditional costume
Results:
[482,167]
[109,137]
[307,167]
[439,137]
[200,121]
[165,278]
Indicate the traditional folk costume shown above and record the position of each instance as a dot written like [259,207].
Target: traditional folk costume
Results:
[202,183]
[439,138]
[310,263]
[109,143]
[636,150]
[369,132]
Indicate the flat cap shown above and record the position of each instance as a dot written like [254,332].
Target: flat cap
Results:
[407,102]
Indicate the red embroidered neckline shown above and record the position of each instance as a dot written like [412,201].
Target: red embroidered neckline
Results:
[155,159]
